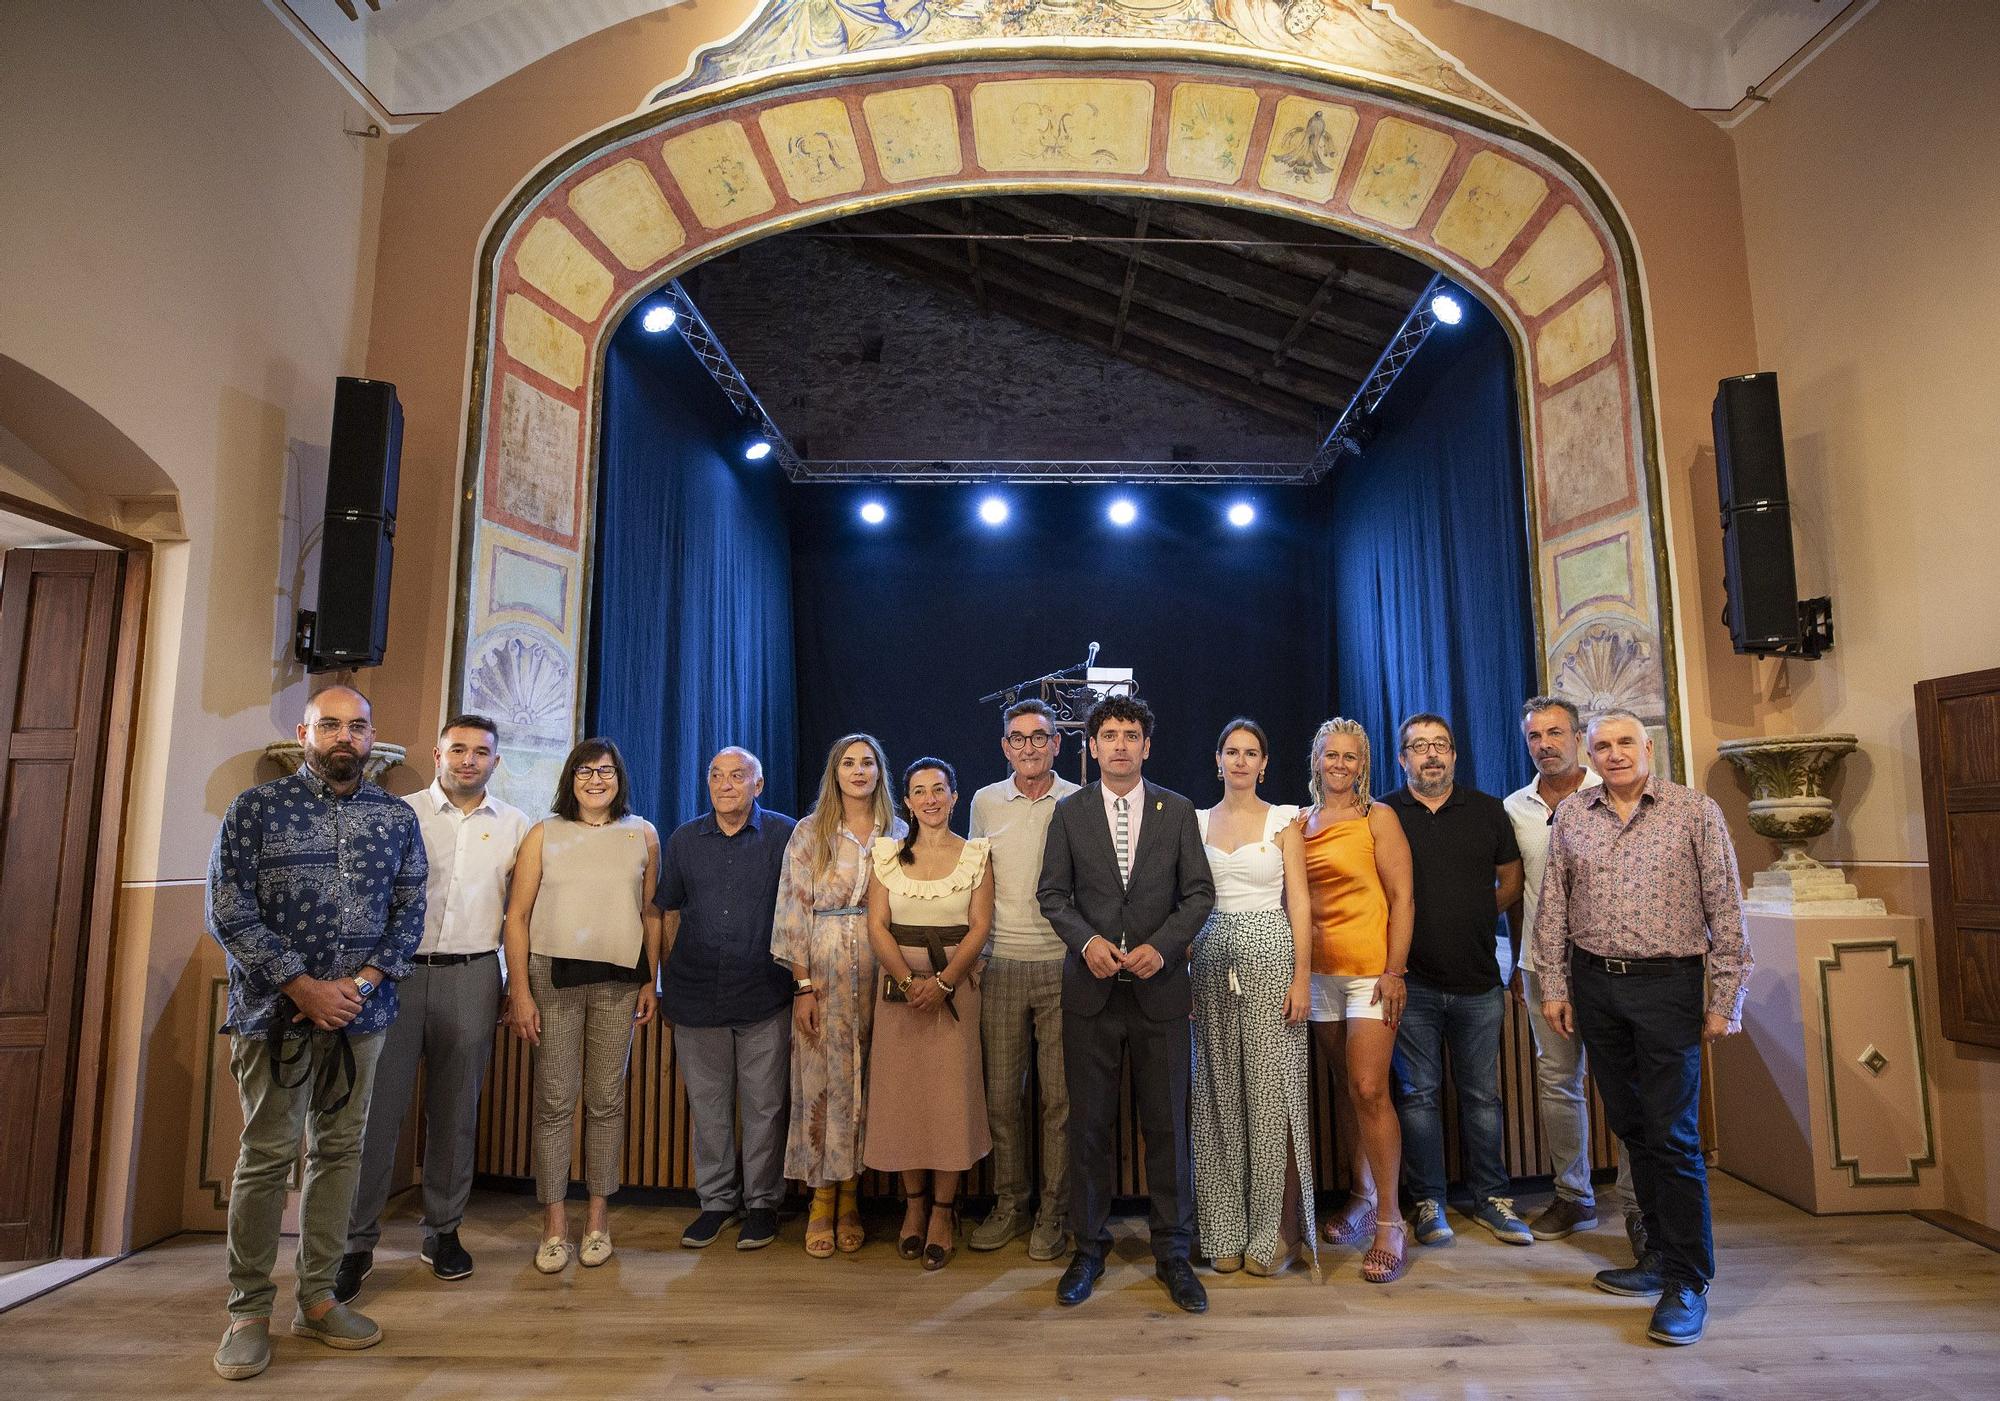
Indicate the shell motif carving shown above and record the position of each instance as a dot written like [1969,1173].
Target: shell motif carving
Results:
[525,684]
[1608,669]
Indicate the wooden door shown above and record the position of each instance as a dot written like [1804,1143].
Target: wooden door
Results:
[58,625]
[1958,745]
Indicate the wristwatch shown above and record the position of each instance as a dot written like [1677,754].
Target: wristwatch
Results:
[364,988]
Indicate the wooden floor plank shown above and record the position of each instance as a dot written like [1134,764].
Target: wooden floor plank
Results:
[1805,1307]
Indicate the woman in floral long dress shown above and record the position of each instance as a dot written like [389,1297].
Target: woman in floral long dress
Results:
[821,932]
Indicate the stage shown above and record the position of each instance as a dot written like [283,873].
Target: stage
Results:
[1809,1307]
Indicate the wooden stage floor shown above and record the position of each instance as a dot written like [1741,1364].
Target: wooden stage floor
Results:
[1840,1307]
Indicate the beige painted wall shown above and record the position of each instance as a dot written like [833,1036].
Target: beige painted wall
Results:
[1871,201]
[190,246]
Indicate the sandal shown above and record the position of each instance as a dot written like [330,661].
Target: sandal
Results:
[819,1224]
[1380,1266]
[850,1233]
[911,1246]
[1354,1223]
[936,1257]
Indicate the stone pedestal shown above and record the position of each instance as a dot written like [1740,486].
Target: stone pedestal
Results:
[1811,890]
[1825,1099]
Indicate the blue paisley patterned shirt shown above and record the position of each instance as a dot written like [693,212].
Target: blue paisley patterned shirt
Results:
[303,881]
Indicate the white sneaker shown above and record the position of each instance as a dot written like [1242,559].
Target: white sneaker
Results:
[552,1256]
[596,1248]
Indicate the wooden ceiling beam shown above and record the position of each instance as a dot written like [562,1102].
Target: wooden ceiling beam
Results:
[972,257]
[1131,276]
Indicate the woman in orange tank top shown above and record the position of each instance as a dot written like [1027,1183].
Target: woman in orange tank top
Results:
[1358,876]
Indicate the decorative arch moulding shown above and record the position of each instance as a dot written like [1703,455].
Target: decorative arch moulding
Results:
[1497,206]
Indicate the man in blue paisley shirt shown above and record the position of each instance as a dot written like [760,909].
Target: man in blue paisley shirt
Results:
[316,893]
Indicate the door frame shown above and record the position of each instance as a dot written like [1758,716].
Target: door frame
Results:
[79,1171]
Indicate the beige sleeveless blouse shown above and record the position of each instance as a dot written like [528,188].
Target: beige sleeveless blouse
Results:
[592,880]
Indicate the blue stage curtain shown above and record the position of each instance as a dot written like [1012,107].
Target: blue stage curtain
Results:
[1430,561]
[691,625]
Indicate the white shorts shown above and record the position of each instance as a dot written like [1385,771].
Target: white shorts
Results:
[1338,999]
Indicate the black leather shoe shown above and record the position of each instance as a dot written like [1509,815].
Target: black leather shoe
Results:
[1635,1281]
[1679,1316]
[1182,1286]
[446,1257]
[1083,1273]
[355,1266]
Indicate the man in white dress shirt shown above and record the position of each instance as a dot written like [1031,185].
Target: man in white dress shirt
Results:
[450,1005]
[1554,734]
[1020,1007]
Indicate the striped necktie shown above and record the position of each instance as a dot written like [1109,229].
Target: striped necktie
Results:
[1124,839]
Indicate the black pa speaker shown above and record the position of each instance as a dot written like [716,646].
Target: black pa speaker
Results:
[357,543]
[1761,607]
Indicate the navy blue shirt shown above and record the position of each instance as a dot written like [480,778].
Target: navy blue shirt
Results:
[721,972]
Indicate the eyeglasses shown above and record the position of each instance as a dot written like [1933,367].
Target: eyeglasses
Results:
[599,771]
[1038,738]
[327,728]
[1428,746]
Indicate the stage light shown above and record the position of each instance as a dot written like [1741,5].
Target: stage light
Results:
[658,319]
[1447,309]
[874,512]
[1122,511]
[756,450]
[993,511]
[1241,514]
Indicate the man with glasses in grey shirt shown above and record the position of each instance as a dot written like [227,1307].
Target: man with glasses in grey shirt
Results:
[1021,993]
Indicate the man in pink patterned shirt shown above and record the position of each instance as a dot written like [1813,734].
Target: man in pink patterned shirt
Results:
[1639,942]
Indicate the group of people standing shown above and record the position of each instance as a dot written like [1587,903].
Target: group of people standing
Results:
[864,988]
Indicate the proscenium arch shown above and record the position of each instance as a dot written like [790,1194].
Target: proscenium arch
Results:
[1506,212]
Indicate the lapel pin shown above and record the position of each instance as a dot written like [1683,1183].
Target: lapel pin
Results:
[1159,805]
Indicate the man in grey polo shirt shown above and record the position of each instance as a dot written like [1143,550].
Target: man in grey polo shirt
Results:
[1021,994]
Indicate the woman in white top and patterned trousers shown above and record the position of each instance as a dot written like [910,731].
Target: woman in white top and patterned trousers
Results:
[1252,995]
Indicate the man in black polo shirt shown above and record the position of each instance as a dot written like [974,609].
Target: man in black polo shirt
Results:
[728,1001]
[1466,869]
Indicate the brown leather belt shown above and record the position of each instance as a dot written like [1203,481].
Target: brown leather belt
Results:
[933,939]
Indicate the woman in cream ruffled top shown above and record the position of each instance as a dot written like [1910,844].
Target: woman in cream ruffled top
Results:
[930,909]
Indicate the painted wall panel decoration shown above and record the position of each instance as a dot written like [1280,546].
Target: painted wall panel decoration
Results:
[1412,153]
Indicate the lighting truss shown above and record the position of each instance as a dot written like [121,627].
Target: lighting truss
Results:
[961,471]
[1402,348]
[708,349]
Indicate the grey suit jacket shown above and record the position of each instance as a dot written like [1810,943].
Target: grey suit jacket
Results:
[1168,900]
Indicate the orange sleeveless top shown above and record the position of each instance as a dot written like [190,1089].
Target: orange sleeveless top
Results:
[1350,911]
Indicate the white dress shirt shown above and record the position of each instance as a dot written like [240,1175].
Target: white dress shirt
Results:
[471,858]
[1135,809]
[1533,820]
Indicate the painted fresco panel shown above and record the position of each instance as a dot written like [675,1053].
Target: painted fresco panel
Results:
[527,579]
[1208,136]
[1564,254]
[915,131]
[1103,125]
[624,207]
[541,342]
[812,144]
[1585,468]
[1579,337]
[1599,572]
[537,458]
[1308,145]
[718,173]
[1400,173]
[555,263]
[1492,203]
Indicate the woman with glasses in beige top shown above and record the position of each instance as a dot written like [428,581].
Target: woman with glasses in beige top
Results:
[583,953]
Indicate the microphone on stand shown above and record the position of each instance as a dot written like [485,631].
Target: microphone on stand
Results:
[1091,660]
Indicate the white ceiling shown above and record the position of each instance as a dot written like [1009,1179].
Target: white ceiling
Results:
[408,59]
[20,533]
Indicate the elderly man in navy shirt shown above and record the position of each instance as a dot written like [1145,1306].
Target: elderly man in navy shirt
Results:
[316,894]
[729,1003]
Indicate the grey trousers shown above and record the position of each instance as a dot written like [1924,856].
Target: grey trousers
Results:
[1559,1068]
[273,1119]
[731,1071]
[586,1045]
[1020,1019]
[445,1020]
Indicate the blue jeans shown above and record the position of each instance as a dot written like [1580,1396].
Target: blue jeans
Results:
[1470,1024]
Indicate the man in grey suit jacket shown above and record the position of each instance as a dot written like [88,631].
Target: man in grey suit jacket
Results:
[1126,886]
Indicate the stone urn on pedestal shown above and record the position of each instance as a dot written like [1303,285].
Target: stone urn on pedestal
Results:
[1788,803]
[289,754]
